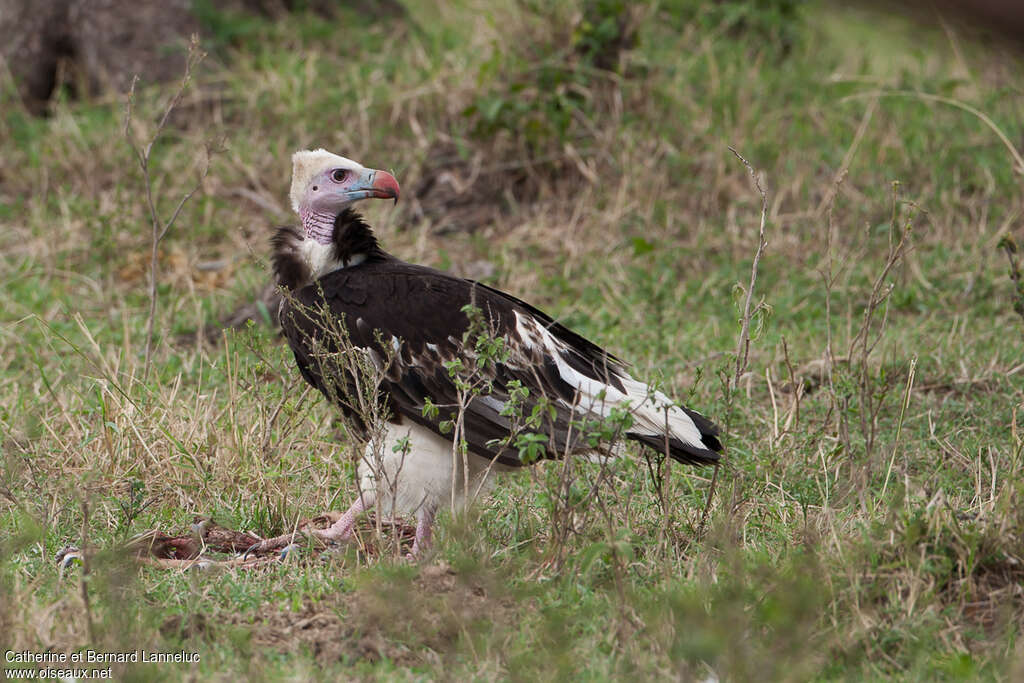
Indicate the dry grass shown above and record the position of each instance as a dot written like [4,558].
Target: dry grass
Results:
[866,521]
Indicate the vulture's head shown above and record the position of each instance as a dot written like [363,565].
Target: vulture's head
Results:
[324,184]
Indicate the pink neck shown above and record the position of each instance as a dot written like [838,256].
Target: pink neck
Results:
[319,226]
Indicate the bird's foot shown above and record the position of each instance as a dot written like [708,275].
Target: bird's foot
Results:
[340,530]
[268,544]
[334,534]
[424,533]
[415,553]
[286,543]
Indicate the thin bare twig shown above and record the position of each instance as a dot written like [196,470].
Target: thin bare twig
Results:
[743,341]
[143,155]
[6,493]
[862,344]
[1016,273]
[83,583]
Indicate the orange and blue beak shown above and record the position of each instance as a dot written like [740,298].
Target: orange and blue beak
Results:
[374,184]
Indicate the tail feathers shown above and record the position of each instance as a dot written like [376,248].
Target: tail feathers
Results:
[708,429]
[705,451]
[682,452]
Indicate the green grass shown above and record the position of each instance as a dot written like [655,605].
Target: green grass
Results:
[849,537]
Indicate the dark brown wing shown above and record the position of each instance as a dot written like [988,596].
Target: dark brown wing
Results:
[413,320]
[415,317]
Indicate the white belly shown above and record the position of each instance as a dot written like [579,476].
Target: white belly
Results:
[424,473]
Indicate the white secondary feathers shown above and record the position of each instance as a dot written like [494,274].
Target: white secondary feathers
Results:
[652,410]
[307,164]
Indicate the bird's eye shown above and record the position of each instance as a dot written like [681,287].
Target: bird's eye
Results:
[338,175]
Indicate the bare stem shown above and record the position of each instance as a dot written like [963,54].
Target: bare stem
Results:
[84,581]
[160,228]
[1016,273]
[743,341]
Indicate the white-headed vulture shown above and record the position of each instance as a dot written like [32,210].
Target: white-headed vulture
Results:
[541,391]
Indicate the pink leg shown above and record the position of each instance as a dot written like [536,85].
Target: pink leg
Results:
[424,530]
[342,529]
[338,531]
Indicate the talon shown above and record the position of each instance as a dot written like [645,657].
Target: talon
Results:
[283,553]
[341,530]
[69,559]
[63,552]
[269,544]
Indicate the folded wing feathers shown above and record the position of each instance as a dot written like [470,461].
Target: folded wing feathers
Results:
[652,410]
[550,361]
